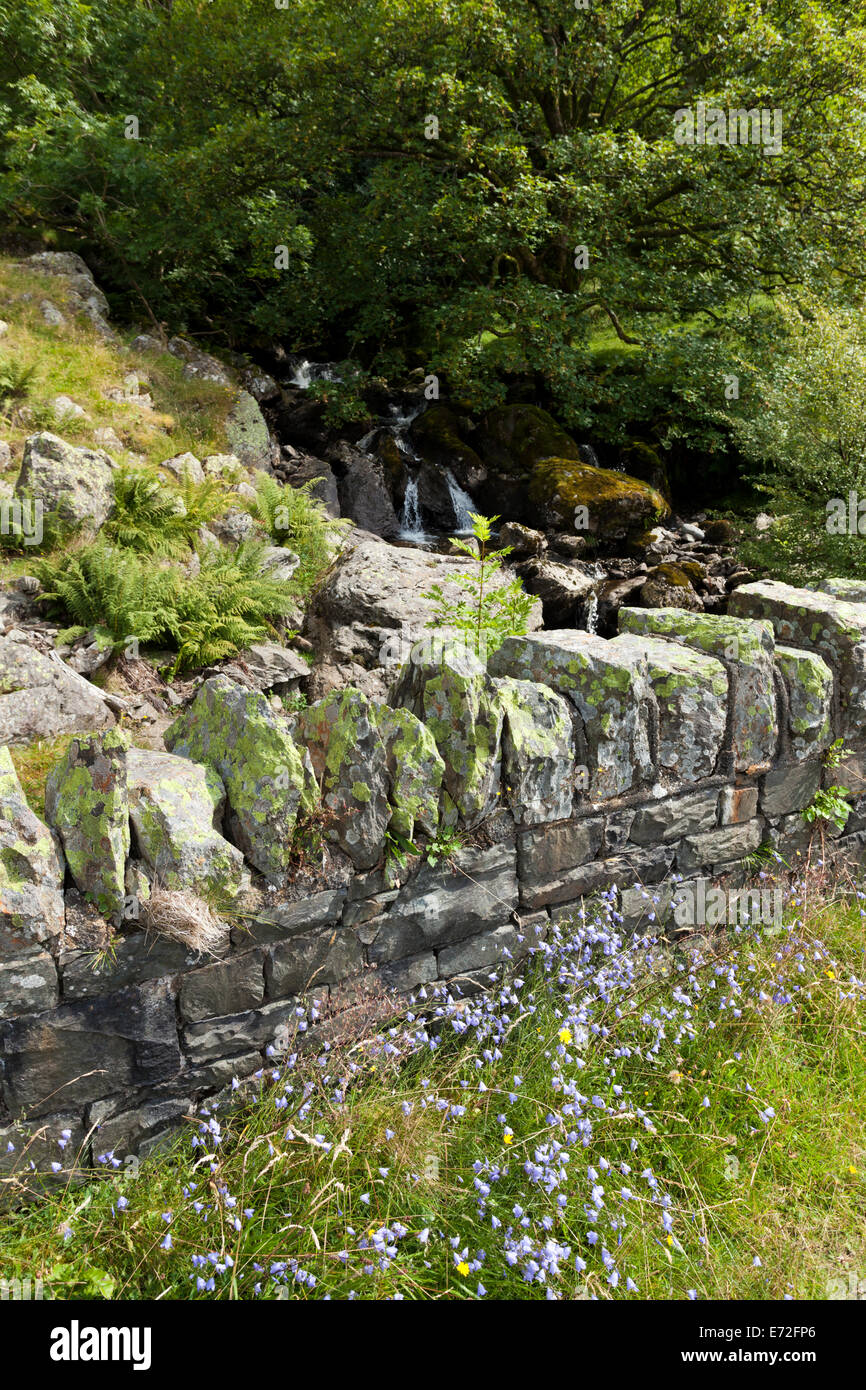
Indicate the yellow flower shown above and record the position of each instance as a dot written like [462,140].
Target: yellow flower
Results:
[463,1268]
[508,1138]
[831,974]
[670,1240]
[565,1035]
[852,1170]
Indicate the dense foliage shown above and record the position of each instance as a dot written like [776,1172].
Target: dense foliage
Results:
[308,128]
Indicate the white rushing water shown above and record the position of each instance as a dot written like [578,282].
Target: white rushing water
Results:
[592,613]
[462,504]
[306,373]
[410,518]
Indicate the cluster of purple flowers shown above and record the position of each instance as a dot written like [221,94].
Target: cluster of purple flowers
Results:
[558,1195]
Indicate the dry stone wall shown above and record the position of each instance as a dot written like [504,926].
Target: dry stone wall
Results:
[570,765]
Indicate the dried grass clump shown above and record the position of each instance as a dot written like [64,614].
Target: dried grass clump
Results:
[185,917]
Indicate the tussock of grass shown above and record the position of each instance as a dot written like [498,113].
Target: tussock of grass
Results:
[183,916]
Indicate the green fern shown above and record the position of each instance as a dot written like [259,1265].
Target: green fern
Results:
[16,383]
[101,585]
[294,518]
[204,617]
[154,518]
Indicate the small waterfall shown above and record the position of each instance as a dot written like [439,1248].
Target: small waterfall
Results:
[305,373]
[597,572]
[410,518]
[462,504]
[589,455]
[399,426]
[302,375]
[591,613]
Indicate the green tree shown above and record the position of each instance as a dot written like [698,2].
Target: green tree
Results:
[433,169]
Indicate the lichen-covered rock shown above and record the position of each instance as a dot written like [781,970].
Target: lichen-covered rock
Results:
[41,697]
[809,685]
[691,691]
[175,806]
[87,803]
[537,752]
[833,627]
[851,590]
[77,484]
[447,687]
[247,432]
[82,294]
[31,871]
[236,733]
[746,648]
[370,609]
[615,504]
[416,771]
[610,691]
[200,364]
[350,761]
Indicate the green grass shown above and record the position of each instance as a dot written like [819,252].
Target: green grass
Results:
[791,1190]
[188,415]
[128,589]
[33,764]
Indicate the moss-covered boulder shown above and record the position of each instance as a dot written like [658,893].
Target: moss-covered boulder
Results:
[537,752]
[514,438]
[31,871]
[235,732]
[809,687]
[746,649]
[609,690]
[176,807]
[446,686]
[437,439]
[670,586]
[351,765]
[86,801]
[691,691]
[833,627]
[416,771]
[563,492]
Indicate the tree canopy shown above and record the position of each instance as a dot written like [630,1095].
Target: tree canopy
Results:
[480,188]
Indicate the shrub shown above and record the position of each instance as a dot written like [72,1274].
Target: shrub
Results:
[807,443]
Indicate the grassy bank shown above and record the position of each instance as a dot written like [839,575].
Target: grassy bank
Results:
[620,1120]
